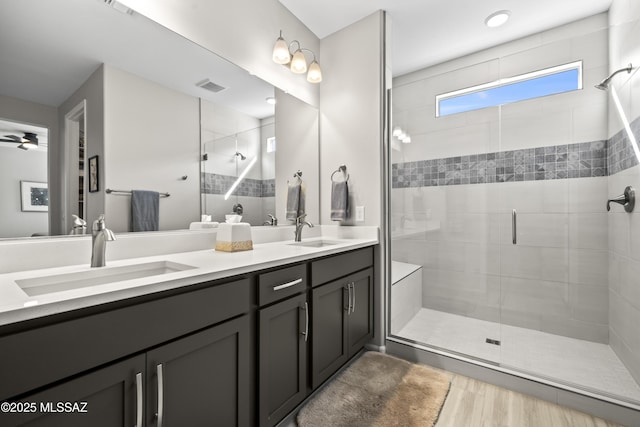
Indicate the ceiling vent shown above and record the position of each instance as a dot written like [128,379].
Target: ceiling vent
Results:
[210,86]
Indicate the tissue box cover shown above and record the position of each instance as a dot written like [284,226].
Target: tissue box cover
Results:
[234,237]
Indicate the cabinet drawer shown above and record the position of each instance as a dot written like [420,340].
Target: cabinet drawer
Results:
[332,268]
[43,355]
[281,283]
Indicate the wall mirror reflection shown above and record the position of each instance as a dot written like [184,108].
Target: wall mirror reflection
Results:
[119,86]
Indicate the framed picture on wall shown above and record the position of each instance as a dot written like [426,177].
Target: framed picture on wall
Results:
[94,183]
[35,196]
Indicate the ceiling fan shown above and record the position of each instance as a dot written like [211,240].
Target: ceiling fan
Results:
[27,142]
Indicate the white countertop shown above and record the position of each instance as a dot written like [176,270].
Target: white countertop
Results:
[16,305]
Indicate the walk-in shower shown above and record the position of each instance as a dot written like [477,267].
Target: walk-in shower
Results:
[502,251]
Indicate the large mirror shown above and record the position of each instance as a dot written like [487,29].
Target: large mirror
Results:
[120,103]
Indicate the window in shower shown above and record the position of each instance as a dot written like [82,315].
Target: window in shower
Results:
[550,81]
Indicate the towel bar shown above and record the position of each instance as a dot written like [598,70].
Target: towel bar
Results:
[128,192]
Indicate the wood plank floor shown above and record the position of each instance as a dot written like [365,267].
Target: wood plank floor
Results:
[473,403]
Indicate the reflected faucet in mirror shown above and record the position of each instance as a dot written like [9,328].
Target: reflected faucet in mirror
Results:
[100,235]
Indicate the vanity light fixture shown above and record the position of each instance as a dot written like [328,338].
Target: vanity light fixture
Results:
[497,19]
[401,135]
[297,62]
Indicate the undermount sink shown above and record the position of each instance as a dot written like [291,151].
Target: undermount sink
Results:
[315,243]
[97,276]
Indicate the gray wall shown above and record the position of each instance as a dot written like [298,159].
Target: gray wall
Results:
[92,91]
[152,139]
[624,228]
[554,279]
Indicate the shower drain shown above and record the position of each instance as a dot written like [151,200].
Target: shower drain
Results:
[492,341]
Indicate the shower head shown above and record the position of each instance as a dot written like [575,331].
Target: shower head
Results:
[604,85]
[242,156]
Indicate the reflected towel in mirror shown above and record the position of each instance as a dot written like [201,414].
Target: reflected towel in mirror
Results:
[145,210]
[295,199]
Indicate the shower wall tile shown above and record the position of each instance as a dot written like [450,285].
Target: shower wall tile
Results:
[588,230]
[535,263]
[589,303]
[589,267]
[543,230]
[587,195]
[550,196]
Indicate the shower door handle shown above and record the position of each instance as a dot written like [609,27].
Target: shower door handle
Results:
[514,227]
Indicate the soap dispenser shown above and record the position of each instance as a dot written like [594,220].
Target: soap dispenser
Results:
[79,226]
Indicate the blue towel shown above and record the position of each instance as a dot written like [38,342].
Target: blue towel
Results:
[145,208]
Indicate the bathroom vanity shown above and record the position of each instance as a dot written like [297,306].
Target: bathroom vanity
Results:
[236,344]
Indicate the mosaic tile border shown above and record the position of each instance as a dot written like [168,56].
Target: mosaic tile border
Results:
[532,164]
[212,183]
[580,160]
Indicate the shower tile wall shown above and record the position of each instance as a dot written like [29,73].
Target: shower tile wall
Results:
[550,165]
[624,228]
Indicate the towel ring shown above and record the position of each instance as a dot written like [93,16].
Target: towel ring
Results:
[343,169]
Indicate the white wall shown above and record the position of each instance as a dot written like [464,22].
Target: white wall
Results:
[297,136]
[351,115]
[241,31]
[624,228]
[152,139]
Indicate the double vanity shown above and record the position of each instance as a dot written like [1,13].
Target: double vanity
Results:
[197,337]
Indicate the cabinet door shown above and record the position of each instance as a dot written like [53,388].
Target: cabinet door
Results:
[360,318]
[202,379]
[328,330]
[284,329]
[108,397]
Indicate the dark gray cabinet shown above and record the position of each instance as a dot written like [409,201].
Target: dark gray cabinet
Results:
[342,322]
[283,331]
[108,397]
[284,328]
[202,379]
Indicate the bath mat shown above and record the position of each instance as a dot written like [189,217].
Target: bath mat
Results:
[378,390]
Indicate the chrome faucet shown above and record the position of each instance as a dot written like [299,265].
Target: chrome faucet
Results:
[300,222]
[100,235]
[272,221]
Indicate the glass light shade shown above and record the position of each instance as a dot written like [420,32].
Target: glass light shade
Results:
[298,63]
[28,145]
[281,53]
[406,139]
[402,135]
[497,18]
[315,74]
[397,131]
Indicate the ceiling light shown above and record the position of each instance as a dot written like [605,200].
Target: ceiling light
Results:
[271,100]
[397,131]
[296,60]
[497,18]
[406,139]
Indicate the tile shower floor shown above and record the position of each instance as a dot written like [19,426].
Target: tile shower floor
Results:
[578,362]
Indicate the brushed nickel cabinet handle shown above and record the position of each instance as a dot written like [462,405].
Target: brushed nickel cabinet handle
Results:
[306,321]
[139,399]
[160,413]
[287,285]
[353,289]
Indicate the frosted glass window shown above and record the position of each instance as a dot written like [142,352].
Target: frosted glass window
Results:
[551,81]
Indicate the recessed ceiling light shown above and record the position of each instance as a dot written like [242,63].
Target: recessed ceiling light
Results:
[497,18]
